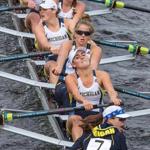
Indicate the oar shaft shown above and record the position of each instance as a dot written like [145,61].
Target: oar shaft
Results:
[133,93]
[112,44]
[23,56]
[136,8]
[11,116]
[12,8]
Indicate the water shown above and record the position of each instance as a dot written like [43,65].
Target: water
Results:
[121,25]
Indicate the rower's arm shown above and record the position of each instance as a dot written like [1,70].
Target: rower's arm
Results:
[72,88]
[71,83]
[80,9]
[95,56]
[29,3]
[107,84]
[63,54]
[42,41]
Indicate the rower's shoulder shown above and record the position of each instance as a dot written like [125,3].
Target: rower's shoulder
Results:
[71,77]
[101,73]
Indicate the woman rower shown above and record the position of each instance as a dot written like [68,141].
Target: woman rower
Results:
[52,31]
[81,38]
[85,87]
[106,136]
[71,9]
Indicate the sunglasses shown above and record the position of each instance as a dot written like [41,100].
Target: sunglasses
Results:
[86,33]
[122,119]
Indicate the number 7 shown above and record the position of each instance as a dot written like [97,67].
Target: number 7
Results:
[101,143]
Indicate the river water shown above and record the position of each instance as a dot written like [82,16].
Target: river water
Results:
[120,25]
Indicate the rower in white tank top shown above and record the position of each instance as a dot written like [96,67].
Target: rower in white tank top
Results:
[59,37]
[92,93]
[67,15]
[68,66]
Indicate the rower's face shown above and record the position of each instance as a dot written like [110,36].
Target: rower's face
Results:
[81,60]
[119,122]
[46,14]
[82,35]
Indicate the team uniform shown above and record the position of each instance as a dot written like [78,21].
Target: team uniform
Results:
[102,137]
[93,94]
[57,38]
[61,95]
[67,15]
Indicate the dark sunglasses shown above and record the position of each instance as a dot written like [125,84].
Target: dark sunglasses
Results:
[122,119]
[86,33]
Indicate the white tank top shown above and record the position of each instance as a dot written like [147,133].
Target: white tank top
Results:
[68,67]
[67,15]
[92,93]
[59,37]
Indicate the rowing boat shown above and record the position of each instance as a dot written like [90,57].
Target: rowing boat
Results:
[41,93]
[25,44]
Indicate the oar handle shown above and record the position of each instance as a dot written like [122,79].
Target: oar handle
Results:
[6,116]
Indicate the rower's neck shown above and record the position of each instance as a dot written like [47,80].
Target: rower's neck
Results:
[80,45]
[86,72]
[53,22]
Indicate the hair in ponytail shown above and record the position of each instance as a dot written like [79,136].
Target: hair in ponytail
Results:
[91,121]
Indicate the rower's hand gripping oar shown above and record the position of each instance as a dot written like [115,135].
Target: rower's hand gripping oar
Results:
[2,9]
[119,4]
[8,116]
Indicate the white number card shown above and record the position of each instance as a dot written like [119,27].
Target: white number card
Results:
[99,144]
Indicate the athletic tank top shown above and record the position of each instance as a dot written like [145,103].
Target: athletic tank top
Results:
[92,93]
[67,15]
[68,67]
[59,37]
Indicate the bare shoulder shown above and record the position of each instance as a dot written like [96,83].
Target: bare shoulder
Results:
[71,78]
[102,74]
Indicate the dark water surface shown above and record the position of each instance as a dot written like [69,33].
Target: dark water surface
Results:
[120,25]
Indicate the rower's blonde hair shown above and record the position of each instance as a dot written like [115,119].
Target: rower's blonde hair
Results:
[85,20]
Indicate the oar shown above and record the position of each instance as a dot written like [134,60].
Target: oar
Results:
[120,4]
[24,56]
[7,116]
[132,48]
[132,92]
[2,9]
